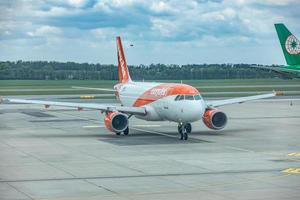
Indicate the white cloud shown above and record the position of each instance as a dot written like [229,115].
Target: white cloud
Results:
[221,15]
[72,3]
[265,2]
[211,41]
[77,3]
[107,5]
[193,23]
[54,12]
[44,31]
[259,22]
[161,6]
[104,33]
[165,27]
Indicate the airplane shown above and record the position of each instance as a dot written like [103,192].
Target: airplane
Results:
[290,46]
[151,101]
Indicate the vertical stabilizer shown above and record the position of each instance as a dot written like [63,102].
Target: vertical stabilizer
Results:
[290,45]
[123,72]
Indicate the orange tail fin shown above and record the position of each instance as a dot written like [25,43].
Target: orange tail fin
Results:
[124,76]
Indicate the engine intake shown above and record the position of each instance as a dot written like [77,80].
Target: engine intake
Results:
[116,121]
[214,119]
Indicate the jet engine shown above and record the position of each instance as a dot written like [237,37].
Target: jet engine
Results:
[116,122]
[214,119]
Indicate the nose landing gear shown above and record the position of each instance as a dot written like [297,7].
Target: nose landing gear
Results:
[184,130]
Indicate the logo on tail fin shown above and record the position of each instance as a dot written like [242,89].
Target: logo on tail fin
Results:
[292,45]
[122,66]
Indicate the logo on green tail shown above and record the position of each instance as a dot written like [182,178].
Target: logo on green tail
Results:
[292,45]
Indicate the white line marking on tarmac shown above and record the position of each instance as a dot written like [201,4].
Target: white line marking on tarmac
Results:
[93,126]
[155,132]
[138,125]
[146,125]
[240,149]
[137,129]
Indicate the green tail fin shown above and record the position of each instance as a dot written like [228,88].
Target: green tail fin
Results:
[290,45]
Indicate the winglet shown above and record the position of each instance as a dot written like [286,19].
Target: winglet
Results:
[3,100]
[278,93]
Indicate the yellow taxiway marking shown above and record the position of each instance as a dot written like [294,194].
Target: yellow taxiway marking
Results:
[87,97]
[292,170]
[294,154]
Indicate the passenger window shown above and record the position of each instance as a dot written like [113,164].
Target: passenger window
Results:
[189,97]
[197,97]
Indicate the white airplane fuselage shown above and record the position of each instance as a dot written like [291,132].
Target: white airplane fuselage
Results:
[162,100]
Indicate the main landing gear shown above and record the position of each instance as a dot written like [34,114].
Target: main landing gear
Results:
[184,130]
[125,132]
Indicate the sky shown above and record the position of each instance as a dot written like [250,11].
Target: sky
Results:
[152,31]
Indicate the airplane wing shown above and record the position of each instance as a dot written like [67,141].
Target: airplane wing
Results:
[284,72]
[278,69]
[79,106]
[217,103]
[89,88]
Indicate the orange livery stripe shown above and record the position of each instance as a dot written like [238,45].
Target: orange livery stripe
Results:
[164,90]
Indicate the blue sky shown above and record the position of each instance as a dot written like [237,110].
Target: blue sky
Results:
[162,31]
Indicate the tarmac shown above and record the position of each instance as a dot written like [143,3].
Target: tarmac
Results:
[62,153]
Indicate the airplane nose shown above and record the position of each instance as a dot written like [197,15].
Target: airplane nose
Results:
[193,111]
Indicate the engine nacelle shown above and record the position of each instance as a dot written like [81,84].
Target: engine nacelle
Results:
[214,119]
[116,121]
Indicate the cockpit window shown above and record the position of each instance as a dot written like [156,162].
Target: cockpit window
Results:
[197,97]
[181,97]
[189,97]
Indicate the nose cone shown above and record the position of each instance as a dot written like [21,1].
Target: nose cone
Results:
[192,111]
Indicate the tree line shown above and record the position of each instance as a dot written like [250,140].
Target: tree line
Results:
[44,70]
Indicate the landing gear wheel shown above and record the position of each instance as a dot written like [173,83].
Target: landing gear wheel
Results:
[185,136]
[118,133]
[184,130]
[188,127]
[179,128]
[126,131]
[180,131]
[181,136]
